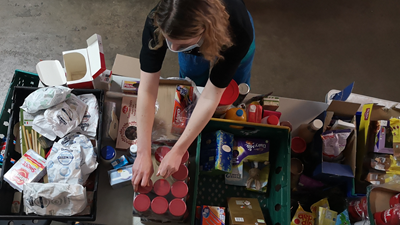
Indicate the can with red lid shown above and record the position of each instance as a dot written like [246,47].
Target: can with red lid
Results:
[298,145]
[394,200]
[390,217]
[141,203]
[179,189]
[162,187]
[182,173]
[160,153]
[146,189]
[177,208]
[185,157]
[358,209]
[159,205]
[229,96]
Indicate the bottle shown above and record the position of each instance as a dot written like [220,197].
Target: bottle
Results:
[236,114]
[271,120]
[307,131]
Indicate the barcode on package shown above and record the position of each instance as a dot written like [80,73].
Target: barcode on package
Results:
[239,219]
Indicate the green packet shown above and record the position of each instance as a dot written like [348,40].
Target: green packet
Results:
[343,218]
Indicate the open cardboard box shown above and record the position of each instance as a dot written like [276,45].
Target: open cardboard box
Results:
[366,140]
[82,66]
[337,172]
[378,198]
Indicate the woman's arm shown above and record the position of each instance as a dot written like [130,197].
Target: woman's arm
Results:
[202,113]
[142,169]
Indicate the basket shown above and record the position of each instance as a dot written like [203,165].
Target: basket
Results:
[7,192]
[275,203]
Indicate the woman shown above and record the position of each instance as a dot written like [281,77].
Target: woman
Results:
[206,33]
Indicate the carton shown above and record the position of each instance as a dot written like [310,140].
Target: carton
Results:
[82,66]
[127,129]
[214,215]
[245,211]
[337,172]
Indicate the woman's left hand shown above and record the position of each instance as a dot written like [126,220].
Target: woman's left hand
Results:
[170,163]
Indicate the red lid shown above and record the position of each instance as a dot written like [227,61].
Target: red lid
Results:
[177,207]
[179,189]
[394,200]
[159,205]
[298,145]
[182,173]
[146,189]
[161,187]
[273,120]
[141,203]
[230,94]
[161,152]
[379,218]
[185,157]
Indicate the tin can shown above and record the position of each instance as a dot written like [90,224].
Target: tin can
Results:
[177,208]
[185,157]
[146,189]
[244,89]
[181,174]
[160,153]
[159,205]
[141,203]
[179,189]
[162,187]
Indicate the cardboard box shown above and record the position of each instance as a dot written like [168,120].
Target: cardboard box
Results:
[336,172]
[378,198]
[212,215]
[127,129]
[82,66]
[245,211]
[126,66]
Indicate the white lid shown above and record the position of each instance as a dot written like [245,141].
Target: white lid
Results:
[51,73]
[316,124]
[244,89]
[133,149]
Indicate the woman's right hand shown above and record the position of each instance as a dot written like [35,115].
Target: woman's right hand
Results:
[142,170]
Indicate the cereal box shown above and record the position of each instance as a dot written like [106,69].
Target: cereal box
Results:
[212,215]
[127,130]
[30,168]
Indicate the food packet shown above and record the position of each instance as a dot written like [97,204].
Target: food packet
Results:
[334,142]
[54,199]
[66,116]
[395,127]
[88,125]
[302,217]
[43,127]
[44,98]
[326,216]
[321,203]
[343,218]
[71,160]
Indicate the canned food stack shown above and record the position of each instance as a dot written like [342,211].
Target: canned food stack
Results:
[164,200]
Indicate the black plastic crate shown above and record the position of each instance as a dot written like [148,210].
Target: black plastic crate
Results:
[7,192]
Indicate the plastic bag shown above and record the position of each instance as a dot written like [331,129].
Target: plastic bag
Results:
[45,98]
[66,116]
[43,127]
[71,160]
[88,125]
[54,199]
[334,142]
[302,217]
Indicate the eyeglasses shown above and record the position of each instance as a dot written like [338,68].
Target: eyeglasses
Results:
[198,44]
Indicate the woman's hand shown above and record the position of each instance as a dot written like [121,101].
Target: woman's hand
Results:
[142,170]
[170,163]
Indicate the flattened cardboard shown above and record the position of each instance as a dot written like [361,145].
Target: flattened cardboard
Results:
[126,66]
[245,211]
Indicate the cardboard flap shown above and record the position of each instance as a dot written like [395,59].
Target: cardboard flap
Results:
[343,108]
[126,66]
[379,112]
[95,55]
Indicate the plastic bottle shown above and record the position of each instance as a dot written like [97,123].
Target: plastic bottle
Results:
[307,131]
[271,120]
[236,114]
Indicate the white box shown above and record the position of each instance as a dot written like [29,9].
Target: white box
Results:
[82,66]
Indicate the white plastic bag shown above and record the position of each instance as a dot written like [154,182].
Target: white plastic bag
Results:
[54,199]
[66,116]
[44,98]
[43,127]
[71,160]
[88,125]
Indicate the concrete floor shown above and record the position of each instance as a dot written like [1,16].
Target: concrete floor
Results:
[304,48]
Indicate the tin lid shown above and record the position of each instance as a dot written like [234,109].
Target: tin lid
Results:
[161,187]
[177,207]
[182,173]
[230,94]
[185,157]
[244,89]
[141,203]
[146,189]
[161,152]
[298,145]
[179,189]
[159,205]
[133,149]
[107,152]
[273,120]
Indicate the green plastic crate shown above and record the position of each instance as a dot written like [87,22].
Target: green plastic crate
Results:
[211,190]
[21,78]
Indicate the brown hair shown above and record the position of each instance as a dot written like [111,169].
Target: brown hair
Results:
[185,19]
